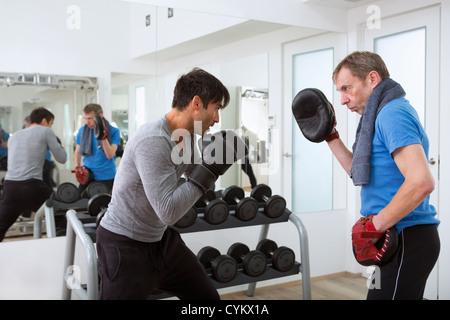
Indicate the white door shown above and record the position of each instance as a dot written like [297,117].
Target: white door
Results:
[313,182]
[410,46]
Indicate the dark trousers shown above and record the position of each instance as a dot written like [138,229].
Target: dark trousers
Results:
[19,196]
[405,276]
[131,269]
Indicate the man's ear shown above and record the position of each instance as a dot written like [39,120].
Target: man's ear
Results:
[373,79]
[196,103]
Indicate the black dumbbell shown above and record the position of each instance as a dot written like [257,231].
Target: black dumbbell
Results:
[246,207]
[97,206]
[274,206]
[283,258]
[97,203]
[223,267]
[66,192]
[188,219]
[215,210]
[253,262]
[94,188]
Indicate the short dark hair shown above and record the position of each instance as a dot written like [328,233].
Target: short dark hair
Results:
[361,63]
[201,83]
[93,107]
[40,113]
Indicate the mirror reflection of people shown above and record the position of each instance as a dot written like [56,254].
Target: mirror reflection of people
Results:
[4,137]
[49,164]
[96,155]
[23,188]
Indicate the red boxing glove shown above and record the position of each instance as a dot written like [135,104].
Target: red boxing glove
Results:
[372,247]
[83,175]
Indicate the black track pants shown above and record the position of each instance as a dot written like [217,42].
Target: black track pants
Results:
[131,269]
[405,276]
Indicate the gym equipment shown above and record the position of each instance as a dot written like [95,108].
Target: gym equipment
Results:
[314,114]
[274,206]
[97,203]
[283,258]
[253,262]
[188,219]
[223,267]
[215,210]
[246,207]
[66,192]
[96,187]
[368,253]
[79,233]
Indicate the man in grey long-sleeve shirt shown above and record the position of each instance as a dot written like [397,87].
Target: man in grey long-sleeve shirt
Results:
[23,188]
[137,253]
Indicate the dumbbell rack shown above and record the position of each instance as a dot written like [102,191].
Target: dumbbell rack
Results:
[76,229]
[270,273]
[46,215]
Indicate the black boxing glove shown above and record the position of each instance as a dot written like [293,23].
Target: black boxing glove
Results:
[219,152]
[315,115]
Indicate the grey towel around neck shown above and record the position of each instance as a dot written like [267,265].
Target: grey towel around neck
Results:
[385,92]
[86,140]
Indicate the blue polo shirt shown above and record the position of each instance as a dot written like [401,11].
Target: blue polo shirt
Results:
[102,167]
[5,137]
[397,125]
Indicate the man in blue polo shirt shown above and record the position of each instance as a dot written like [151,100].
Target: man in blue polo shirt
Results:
[390,163]
[98,156]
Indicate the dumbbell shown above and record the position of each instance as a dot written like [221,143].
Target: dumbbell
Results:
[246,207]
[253,262]
[94,188]
[66,192]
[188,219]
[274,206]
[223,267]
[283,258]
[215,210]
[97,206]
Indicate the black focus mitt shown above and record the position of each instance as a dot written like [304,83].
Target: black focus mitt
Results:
[100,130]
[315,115]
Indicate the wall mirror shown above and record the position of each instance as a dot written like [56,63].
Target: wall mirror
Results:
[139,88]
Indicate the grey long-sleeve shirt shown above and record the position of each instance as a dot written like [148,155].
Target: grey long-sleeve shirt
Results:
[27,149]
[145,197]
